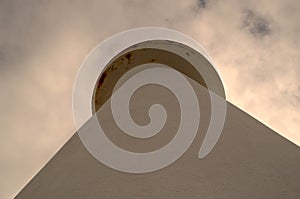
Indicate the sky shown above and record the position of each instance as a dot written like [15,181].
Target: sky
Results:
[254,44]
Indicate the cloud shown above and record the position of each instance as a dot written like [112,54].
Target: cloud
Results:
[202,3]
[42,43]
[258,58]
[256,25]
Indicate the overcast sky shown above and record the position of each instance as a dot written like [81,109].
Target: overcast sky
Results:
[254,44]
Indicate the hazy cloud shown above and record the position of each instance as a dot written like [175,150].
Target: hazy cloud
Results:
[256,25]
[255,45]
[202,3]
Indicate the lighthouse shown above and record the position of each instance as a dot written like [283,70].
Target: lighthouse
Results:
[153,121]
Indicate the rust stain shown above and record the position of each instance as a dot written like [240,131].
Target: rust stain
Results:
[128,56]
[101,80]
